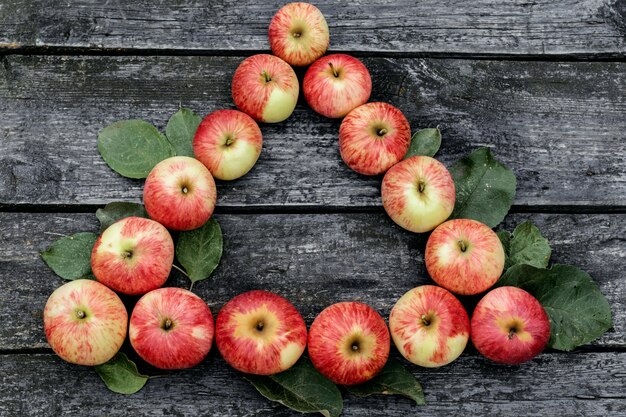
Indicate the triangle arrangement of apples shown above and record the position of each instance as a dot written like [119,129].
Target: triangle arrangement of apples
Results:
[260,333]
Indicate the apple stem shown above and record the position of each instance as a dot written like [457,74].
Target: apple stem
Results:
[335,73]
[267,77]
[296,34]
[462,246]
[425,320]
[80,314]
[259,326]
[420,186]
[167,324]
[382,132]
[512,333]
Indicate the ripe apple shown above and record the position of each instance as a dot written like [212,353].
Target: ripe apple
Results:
[374,137]
[349,343]
[133,256]
[171,328]
[85,322]
[228,143]
[299,34]
[429,326]
[464,256]
[418,193]
[266,88]
[336,84]
[180,193]
[510,326]
[259,332]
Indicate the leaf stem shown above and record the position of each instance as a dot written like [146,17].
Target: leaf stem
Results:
[182,271]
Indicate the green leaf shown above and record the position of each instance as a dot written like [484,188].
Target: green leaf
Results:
[392,379]
[181,129]
[301,388]
[133,147]
[70,256]
[199,251]
[525,245]
[424,142]
[578,311]
[485,188]
[113,212]
[120,375]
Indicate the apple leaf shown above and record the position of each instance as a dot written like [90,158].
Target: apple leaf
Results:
[181,129]
[199,251]
[578,311]
[525,245]
[113,212]
[424,142]
[392,379]
[120,375]
[70,256]
[301,388]
[133,147]
[485,188]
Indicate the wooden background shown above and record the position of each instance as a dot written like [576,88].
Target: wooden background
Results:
[541,82]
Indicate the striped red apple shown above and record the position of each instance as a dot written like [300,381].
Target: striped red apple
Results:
[85,322]
[374,137]
[180,193]
[133,256]
[298,34]
[336,84]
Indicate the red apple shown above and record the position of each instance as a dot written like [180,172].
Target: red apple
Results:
[180,193]
[336,84]
[429,326]
[171,328]
[85,322]
[228,143]
[133,256]
[349,343]
[418,193]
[266,88]
[259,332]
[510,326]
[374,137]
[464,256]
[299,34]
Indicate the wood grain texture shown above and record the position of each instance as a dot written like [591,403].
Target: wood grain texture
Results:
[521,27]
[559,126]
[313,260]
[469,386]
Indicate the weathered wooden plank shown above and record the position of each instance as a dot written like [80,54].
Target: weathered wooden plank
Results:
[542,27]
[589,384]
[314,260]
[559,126]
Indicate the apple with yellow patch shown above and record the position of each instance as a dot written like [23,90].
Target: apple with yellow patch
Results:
[418,193]
[265,88]
[133,256]
[180,193]
[510,326]
[298,34]
[228,143]
[171,328]
[261,333]
[464,256]
[429,326]
[349,343]
[85,322]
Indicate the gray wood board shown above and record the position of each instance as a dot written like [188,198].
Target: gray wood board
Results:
[543,27]
[559,126]
[312,259]
[574,384]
